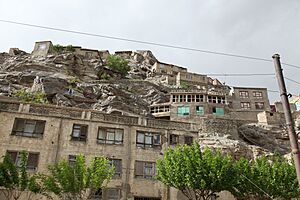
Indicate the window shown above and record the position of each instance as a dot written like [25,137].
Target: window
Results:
[259,105]
[174,98]
[174,139]
[41,46]
[189,98]
[110,136]
[28,128]
[218,111]
[72,160]
[79,132]
[245,105]
[117,163]
[146,198]
[199,110]
[146,139]
[257,95]
[32,159]
[144,169]
[189,76]
[199,98]
[188,140]
[183,110]
[244,94]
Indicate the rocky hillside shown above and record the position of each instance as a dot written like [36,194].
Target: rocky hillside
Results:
[68,79]
[71,80]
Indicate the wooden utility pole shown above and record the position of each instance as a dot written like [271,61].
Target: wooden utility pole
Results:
[287,113]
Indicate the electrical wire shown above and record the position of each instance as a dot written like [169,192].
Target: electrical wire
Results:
[242,74]
[292,80]
[146,42]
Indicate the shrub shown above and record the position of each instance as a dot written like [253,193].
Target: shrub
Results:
[59,48]
[33,97]
[118,64]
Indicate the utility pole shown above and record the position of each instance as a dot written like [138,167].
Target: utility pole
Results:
[287,113]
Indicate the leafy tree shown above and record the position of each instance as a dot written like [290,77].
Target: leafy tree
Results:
[78,181]
[118,64]
[199,175]
[265,178]
[16,182]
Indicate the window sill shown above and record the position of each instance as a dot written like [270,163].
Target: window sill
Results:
[102,143]
[38,136]
[78,139]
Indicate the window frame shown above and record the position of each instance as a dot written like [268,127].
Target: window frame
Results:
[83,132]
[21,124]
[188,140]
[259,105]
[245,107]
[185,113]
[174,139]
[244,94]
[117,174]
[18,158]
[106,139]
[257,94]
[145,165]
[145,143]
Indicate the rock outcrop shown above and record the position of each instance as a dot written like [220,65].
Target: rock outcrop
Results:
[69,79]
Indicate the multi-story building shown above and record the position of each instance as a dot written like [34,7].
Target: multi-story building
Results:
[244,98]
[133,144]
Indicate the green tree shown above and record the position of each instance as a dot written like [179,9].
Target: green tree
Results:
[16,182]
[265,179]
[199,175]
[78,181]
[118,64]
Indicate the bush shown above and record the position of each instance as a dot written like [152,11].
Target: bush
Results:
[59,48]
[104,76]
[185,86]
[118,64]
[33,97]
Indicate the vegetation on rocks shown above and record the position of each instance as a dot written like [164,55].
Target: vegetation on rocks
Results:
[32,97]
[59,48]
[118,64]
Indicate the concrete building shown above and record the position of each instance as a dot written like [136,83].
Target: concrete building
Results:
[193,105]
[244,98]
[165,68]
[133,144]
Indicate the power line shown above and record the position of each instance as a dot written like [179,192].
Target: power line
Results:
[241,74]
[292,80]
[146,42]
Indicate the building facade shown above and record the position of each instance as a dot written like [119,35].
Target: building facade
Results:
[133,144]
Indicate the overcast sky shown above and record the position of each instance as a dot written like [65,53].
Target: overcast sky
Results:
[250,27]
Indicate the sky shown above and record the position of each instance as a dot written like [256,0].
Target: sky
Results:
[251,27]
